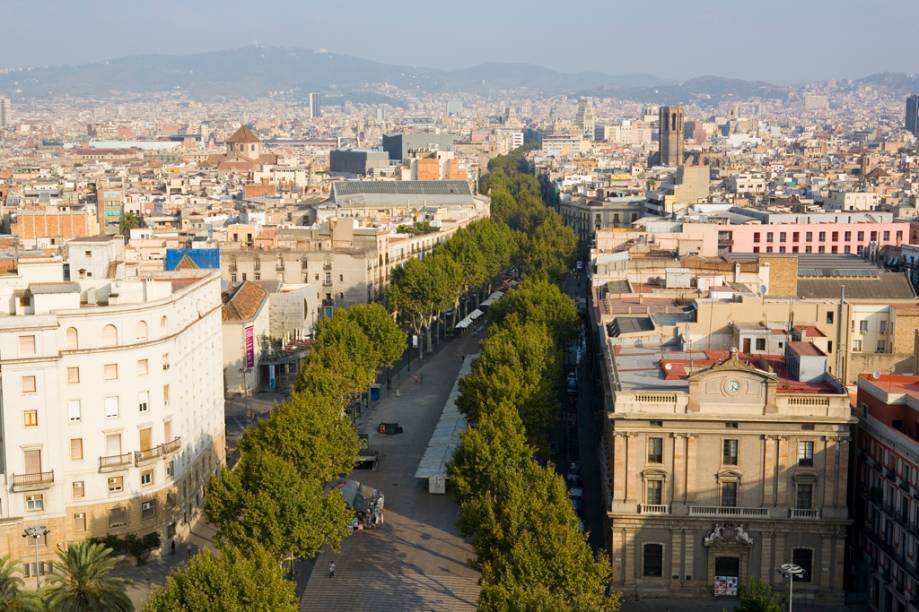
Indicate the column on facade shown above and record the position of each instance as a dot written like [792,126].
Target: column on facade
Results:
[839,561]
[823,578]
[620,461]
[676,556]
[830,468]
[689,559]
[767,562]
[633,490]
[618,556]
[678,481]
[691,444]
[768,476]
[778,557]
[842,474]
[785,445]
[629,554]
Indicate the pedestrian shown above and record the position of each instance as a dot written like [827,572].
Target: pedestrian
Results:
[188,550]
[421,379]
[331,569]
[173,547]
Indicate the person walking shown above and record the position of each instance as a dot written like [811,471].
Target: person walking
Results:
[331,569]
[173,547]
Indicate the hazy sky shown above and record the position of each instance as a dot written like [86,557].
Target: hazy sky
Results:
[784,41]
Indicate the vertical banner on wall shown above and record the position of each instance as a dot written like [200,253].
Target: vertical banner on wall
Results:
[250,347]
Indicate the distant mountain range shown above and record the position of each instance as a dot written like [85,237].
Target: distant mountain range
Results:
[259,71]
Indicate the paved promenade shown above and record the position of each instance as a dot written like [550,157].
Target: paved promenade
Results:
[416,560]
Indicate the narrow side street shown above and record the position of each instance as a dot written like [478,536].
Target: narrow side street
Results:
[417,559]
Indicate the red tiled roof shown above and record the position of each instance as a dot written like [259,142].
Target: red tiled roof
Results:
[245,303]
[243,135]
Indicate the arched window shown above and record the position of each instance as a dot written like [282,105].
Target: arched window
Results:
[141,332]
[109,335]
[73,339]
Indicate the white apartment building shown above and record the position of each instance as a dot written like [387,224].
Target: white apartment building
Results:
[112,406]
[852,200]
[747,182]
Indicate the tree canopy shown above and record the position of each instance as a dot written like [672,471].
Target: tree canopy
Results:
[229,581]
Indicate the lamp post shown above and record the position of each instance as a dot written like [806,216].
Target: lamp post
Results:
[791,571]
[35,532]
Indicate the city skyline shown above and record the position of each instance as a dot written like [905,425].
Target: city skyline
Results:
[790,46]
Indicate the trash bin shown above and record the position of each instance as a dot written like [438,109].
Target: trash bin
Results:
[375,393]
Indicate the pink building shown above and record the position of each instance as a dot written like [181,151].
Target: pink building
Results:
[811,238]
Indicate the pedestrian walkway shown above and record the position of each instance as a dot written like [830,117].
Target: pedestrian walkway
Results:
[417,559]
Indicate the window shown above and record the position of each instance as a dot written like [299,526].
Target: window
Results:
[856,345]
[769,236]
[654,494]
[882,347]
[109,335]
[835,236]
[863,327]
[28,385]
[146,478]
[655,450]
[35,502]
[143,367]
[873,236]
[821,236]
[882,327]
[110,371]
[30,418]
[796,236]
[653,560]
[808,236]
[73,376]
[72,342]
[729,452]
[755,236]
[165,395]
[768,249]
[803,558]
[761,344]
[113,444]
[729,494]
[33,569]
[79,521]
[164,323]
[804,496]
[140,331]
[117,517]
[860,236]
[26,346]
[899,236]
[115,484]
[79,489]
[782,236]
[806,453]
[143,401]
[165,361]
[847,236]
[886,235]
[111,407]
[829,317]
[148,510]
[76,449]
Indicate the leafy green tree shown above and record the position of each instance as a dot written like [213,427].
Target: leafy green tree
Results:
[13,597]
[550,248]
[229,581]
[126,222]
[266,501]
[529,535]
[539,301]
[82,580]
[492,446]
[422,289]
[387,341]
[518,364]
[311,431]
[758,597]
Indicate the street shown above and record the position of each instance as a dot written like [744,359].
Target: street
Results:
[417,560]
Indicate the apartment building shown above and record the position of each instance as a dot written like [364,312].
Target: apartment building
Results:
[886,512]
[112,405]
[852,238]
[720,467]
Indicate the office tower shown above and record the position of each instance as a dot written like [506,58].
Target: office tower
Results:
[671,135]
[912,114]
[315,110]
[586,119]
[6,110]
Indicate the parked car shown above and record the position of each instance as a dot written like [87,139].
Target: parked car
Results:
[571,384]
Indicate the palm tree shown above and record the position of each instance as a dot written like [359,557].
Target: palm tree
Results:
[12,597]
[81,581]
[127,222]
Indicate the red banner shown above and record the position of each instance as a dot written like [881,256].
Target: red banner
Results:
[250,347]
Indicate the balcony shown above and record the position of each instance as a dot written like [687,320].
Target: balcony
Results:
[33,482]
[172,446]
[114,463]
[729,511]
[148,456]
[802,514]
[653,509]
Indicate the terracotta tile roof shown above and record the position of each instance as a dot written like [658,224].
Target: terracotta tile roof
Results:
[243,135]
[245,303]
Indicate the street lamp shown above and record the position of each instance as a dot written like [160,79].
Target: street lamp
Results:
[791,571]
[35,532]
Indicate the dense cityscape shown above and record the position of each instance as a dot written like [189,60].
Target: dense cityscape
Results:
[498,338]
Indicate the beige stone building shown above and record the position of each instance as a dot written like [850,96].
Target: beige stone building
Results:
[722,467]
